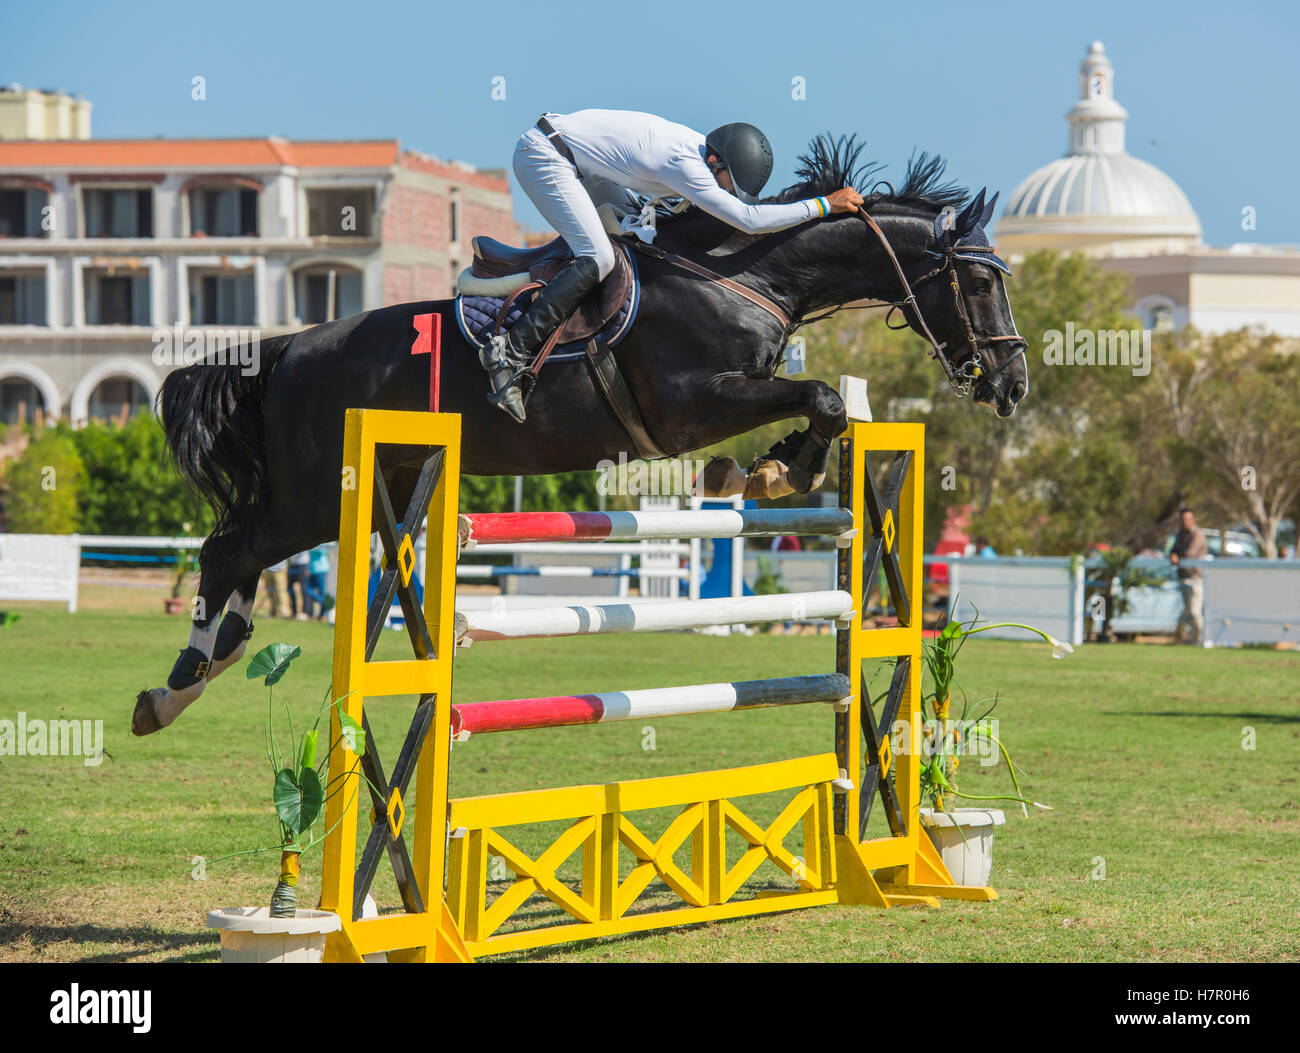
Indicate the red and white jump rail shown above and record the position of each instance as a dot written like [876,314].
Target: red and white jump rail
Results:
[522,714]
[493,528]
[650,617]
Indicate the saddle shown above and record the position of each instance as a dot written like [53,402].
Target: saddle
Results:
[493,294]
[504,271]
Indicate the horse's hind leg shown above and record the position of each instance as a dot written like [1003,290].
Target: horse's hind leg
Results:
[157,707]
[236,629]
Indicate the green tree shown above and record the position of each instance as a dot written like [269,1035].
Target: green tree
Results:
[568,491]
[132,486]
[1231,401]
[45,484]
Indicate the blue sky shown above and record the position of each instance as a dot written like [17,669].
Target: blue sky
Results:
[1211,89]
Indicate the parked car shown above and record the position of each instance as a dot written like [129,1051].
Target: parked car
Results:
[1228,544]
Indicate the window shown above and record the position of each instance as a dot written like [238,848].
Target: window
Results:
[117,398]
[116,299]
[223,212]
[314,294]
[1156,313]
[20,213]
[454,222]
[20,401]
[222,299]
[343,213]
[22,299]
[118,213]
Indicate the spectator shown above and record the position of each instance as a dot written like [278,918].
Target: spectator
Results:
[984,549]
[1190,544]
[299,570]
[319,568]
[786,543]
[275,581]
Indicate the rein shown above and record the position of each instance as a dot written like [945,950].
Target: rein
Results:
[962,377]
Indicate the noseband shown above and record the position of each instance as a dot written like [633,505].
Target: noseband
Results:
[961,376]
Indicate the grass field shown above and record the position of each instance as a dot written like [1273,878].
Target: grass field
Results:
[1168,839]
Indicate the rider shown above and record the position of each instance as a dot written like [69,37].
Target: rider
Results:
[569,164]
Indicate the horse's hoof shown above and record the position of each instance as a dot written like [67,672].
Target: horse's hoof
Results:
[721,477]
[768,480]
[145,721]
[802,483]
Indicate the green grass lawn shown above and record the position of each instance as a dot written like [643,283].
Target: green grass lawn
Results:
[1139,749]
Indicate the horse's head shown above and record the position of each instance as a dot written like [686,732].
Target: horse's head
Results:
[961,298]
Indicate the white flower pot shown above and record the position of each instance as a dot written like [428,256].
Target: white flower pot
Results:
[250,934]
[964,838]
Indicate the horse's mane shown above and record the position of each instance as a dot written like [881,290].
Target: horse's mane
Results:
[832,162]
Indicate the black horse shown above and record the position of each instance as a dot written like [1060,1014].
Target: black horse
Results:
[266,450]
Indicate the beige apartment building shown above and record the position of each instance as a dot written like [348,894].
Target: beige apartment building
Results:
[105,242]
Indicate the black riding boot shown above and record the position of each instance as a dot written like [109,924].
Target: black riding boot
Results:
[506,356]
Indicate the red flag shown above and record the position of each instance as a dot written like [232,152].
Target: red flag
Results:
[428,341]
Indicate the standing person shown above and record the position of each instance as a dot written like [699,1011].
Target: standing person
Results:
[569,164]
[984,548]
[319,568]
[275,582]
[1189,543]
[299,569]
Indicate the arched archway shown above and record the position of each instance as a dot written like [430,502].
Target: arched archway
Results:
[24,389]
[125,382]
[1157,312]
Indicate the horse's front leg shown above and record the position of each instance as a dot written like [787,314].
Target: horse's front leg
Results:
[797,464]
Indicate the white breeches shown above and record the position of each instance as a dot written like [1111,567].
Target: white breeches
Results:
[567,203]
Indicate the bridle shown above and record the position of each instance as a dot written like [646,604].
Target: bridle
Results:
[961,376]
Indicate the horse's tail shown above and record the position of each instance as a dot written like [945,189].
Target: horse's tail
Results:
[214,416]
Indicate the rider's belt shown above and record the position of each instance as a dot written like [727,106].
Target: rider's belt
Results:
[548,130]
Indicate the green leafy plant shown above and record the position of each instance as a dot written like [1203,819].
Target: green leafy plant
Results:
[768,582]
[947,740]
[181,568]
[299,784]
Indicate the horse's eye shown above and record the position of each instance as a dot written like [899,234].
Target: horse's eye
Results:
[980,287]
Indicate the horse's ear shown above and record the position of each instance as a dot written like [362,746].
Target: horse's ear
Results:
[969,216]
[987,214]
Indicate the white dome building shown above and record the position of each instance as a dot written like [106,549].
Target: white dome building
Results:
[1097,198]
[1133,218]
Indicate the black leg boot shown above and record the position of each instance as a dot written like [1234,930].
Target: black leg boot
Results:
[506,357]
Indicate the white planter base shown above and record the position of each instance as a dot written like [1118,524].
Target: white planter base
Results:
[250,934]
[964,838]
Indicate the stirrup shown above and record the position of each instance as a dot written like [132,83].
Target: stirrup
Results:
[511,395]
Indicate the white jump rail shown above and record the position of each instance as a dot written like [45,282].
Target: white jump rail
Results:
[649,617]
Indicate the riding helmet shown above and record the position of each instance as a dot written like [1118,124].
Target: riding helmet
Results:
[746,153]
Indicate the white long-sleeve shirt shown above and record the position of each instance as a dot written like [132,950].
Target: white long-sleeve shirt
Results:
[656,158]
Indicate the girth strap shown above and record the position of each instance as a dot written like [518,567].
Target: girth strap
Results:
[620,398]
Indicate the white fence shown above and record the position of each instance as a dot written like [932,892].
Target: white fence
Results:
[1246,600]
[1044,592]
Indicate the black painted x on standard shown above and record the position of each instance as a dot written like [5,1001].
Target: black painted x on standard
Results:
[883,544]
[398,539]
[880,757]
